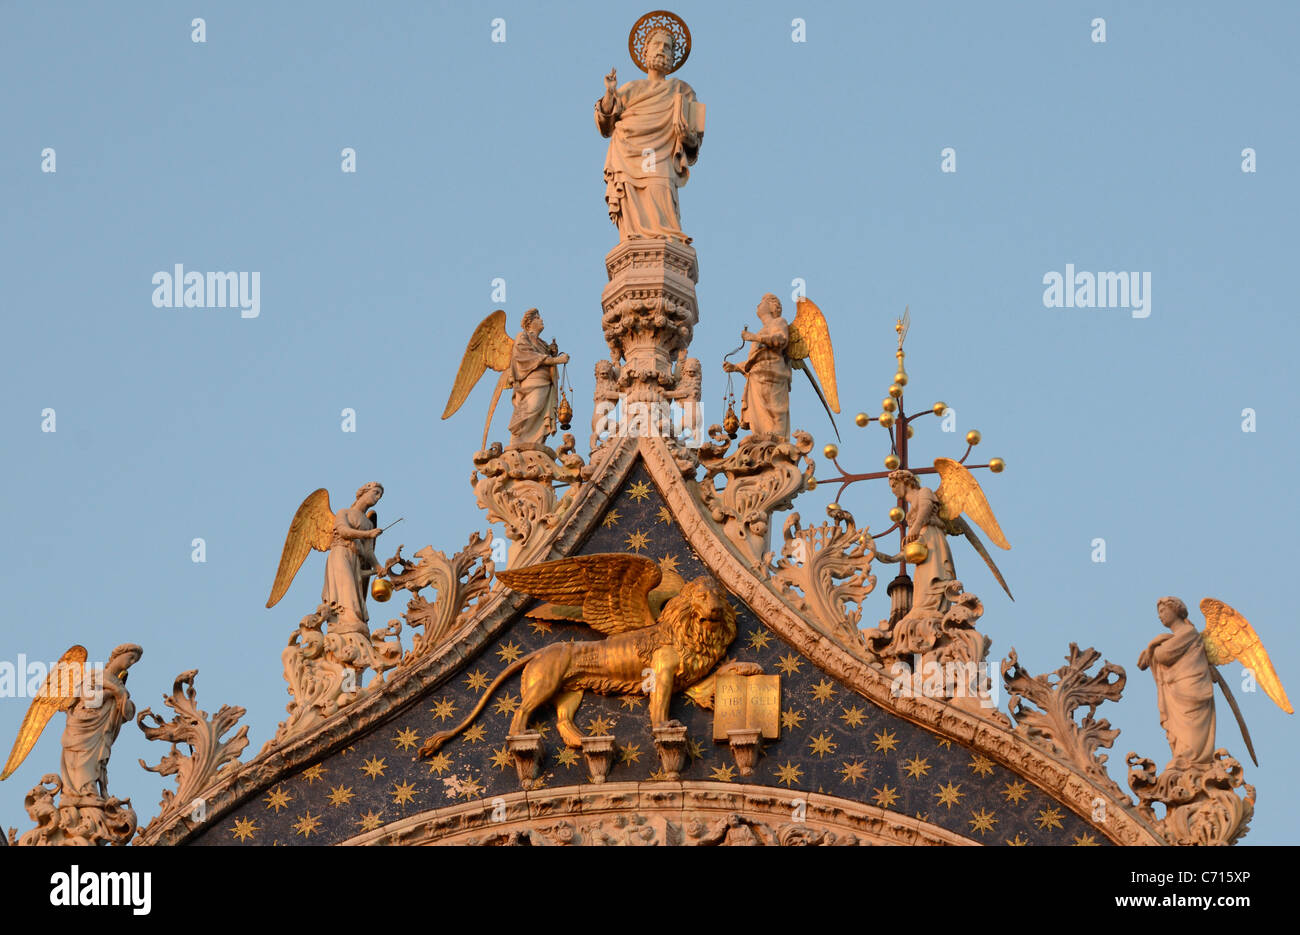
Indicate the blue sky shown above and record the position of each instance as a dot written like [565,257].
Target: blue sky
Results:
[478,160]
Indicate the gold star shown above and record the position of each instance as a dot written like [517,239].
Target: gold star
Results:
[507,703]
[789,664]
[341,796]
[759,639]
[792,719]
[1085,840]
[694,749]
[944,742]
[470,788]
[509,652]
[982,765]
[630,754]
[1048,819]
[439,763]
[567,757]
[788,774]
[443,709]
[853,716]
[723,773]
[639,491]
[823,690]
[374,767]
[917,767]
[476,733]
[307,824]
[611,519]
[244,829]
[278,799]
[540,626]
[658,776]
[406,739]
[637,541]
[477,680]
[822,745]
[886,740]
[922,816]
[542,729]
[312,773]
[949,794]
[1015,792]
[632,702]
[885,796]
[599,726]
[1017,842]
[369,821]
[982,821]
[668,563]
[664,515]
[501,758]
[403,792]
[854,771]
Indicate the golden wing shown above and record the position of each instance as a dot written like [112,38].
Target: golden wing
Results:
[810,337]
[57,694]
[489,346]
[959,492]
[613,589]
[312,528]
[669,587]
[1229,636]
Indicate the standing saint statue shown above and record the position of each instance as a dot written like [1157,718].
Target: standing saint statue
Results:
[1184,685]
[655,126]
[532,374]
[765,406]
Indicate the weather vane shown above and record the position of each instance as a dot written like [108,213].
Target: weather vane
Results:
[923,518]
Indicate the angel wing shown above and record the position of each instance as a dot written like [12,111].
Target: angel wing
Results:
[810,337]
[57,694]
[959,492]
[489,346]
[612,589]
[312,528]
[1229,636]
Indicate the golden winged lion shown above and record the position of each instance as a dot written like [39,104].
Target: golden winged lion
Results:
[676,651]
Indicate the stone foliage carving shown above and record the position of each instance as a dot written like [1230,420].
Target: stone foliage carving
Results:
[458,584]
[325,669]
[516,486]
[1057,695]
[1201,804]
[825,572]
[208,754]
[107,821]
[762,476]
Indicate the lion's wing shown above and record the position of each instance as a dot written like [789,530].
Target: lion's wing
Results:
[612,589]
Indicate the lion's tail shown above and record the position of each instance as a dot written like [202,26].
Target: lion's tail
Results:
[434,743]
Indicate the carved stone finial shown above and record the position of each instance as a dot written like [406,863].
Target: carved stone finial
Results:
[457,583]
[762,476]
[825,571]
[208,754]
[1058,695]
[516,486]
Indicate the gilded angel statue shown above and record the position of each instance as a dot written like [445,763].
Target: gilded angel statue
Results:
[933,516]
[526,363]
[1184,664]
[97,704]
[775,351]
[349,537]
